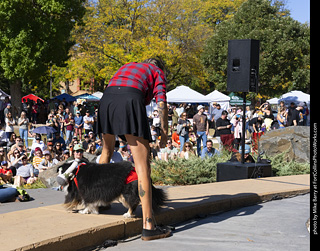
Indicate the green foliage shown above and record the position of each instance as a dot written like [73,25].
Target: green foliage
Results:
[35,34]
[187,172]
[197,171]
[284,47]
[116,32]
[282,166]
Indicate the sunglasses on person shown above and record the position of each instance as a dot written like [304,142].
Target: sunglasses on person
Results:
[188,146]
[79,151]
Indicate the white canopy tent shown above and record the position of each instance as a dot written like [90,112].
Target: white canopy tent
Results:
[184,94]
[98,94]
[222,99]
[293,96]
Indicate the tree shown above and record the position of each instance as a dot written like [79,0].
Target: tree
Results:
[284,47]
[120,31]
[33,35]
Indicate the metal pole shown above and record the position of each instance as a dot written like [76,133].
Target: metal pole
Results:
[243,127]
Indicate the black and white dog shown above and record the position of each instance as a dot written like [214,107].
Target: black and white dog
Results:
[95,185]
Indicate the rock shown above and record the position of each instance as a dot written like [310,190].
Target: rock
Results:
[48,177]
[294,140]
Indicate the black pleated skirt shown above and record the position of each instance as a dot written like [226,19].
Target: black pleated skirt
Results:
[122,111]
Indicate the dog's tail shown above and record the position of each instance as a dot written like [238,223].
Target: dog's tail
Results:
[158,198]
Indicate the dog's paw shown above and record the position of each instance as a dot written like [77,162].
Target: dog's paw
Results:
[84,211]
[128,215]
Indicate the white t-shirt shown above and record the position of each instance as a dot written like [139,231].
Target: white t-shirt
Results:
[85,125]
[9,128]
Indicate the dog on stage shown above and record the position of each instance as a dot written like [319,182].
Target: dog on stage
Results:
[94,185]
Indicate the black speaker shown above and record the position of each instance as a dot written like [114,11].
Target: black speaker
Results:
[243,65]
[237,170]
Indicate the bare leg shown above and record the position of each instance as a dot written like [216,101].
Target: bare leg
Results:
[108,141]
[140,151]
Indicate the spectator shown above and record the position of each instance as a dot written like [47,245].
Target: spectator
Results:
[209,151]
[255,124]
[236,156]
[59,139]
[5,172]
[66,155]
[154,149]
[187,151]
[18,146]
[50,122]
[169,152]
[175,137]
[223,127]
[7,109]
[34,112]
[237,129]
[25,174]
[2,154]
[267,115]
[305,113]
[78,120]
[37,160]
[77,153]
[23,123]
[154,134]
[124,151]
[175,116]
[47,162]
[201,128]
[297,116]
[88,122]
[3,137]
[156,122]
[86,142]
[291,108]
[69,123]
[282,117]
[58,151]
[37,142]
[183,129]
[91,148]
[12,140]
[9,125]
[216,111]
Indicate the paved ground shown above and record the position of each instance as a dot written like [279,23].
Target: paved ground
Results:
[50,227]
[275,225]
[40,197]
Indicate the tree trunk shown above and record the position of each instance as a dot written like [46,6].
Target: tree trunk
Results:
[16,95]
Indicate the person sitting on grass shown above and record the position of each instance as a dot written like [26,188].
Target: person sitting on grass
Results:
[209,151]
[5,172]
[37,160]
[25,174]
[187,151]
[47,162]
[169,152]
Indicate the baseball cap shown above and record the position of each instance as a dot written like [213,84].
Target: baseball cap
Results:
[301,104]
[46,152]
[78,147]
[37,149]
[247,149]
[200,107]
[4,163]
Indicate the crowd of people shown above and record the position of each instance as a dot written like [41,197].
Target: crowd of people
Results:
[192,132]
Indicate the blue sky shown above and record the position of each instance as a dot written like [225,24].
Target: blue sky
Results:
[300,10]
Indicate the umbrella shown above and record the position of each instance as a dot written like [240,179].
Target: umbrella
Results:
[44,130]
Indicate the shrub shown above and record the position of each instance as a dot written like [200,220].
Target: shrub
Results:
[187,172]
[197,171]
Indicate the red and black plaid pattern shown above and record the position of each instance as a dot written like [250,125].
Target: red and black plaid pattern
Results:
[147,78]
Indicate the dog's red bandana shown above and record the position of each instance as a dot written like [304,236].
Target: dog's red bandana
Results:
[75,177]
[132,176]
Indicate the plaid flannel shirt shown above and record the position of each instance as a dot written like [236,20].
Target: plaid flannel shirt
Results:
[147,78]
